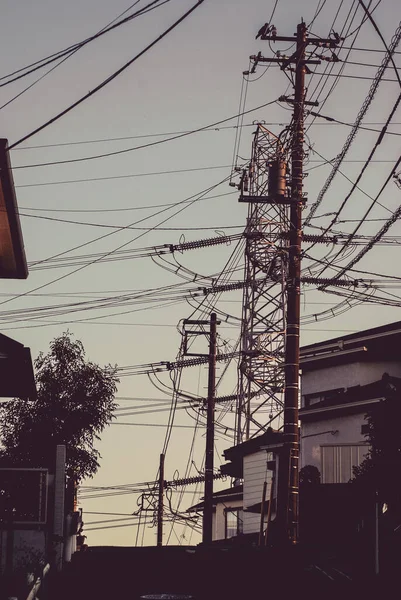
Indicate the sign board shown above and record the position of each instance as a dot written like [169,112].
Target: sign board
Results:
[23,496]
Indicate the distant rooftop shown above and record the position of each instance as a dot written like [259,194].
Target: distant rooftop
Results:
[383,342]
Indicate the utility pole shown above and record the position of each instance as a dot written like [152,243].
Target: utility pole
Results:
[207,530]
[209,460]
[287,498]
[160,505]
[288,473]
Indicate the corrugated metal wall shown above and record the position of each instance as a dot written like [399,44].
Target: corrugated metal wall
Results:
[255,474]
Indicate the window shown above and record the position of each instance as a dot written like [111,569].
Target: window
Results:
[337,461]
[316,398]
[23,495]
[234,520]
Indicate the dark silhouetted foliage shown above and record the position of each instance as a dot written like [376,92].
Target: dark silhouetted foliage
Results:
[309,475]
[74,404]
[380,470]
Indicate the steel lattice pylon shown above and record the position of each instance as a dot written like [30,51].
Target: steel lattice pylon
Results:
[261,366]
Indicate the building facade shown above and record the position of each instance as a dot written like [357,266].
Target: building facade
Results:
[341,379]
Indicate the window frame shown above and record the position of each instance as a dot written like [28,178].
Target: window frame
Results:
[337,466]
[239,512]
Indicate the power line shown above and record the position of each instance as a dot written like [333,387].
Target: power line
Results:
[343,34]
[368,50]
[150,251]
[176,171]
[167,133]
[362,127]
[360,64]
[39,64]
[356,182]
[396,215]
[346,76]
[196,197]
[319,9]
[124,525]
[107,210]
[153,425]
[135,137]
[366,17]
[157,143]
[119,227]
[371,19]
[361,114]
[109,79]
[65,56]
[128,176]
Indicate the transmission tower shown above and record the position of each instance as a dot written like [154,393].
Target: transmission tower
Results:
[261,369]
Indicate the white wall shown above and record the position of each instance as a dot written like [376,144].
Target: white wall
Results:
[348,427]
[349,432]
[59,502]
[70,541]
[339,376]
[219,523]
[255,474]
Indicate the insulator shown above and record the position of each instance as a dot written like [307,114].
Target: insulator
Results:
[223,288]
[245,182]
[322,239]
[191,480]
[324,281]
[193,362]
[224,239]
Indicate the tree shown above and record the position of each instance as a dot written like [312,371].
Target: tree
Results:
[309,475]
[75,402]
[380,471]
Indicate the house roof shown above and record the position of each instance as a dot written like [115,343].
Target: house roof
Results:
[233,493]
[382,342]
[271,436]
[353,399]
[235,454]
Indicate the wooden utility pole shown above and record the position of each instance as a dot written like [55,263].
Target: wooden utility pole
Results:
[209,460]
[287,492]
[288,470]
[262,514]
[160,505]
[207,530]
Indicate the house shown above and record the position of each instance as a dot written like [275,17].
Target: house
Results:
[33,507]
[237,510]
[254,462]
[227,513]
[16,371]
[38,521]
[341,379]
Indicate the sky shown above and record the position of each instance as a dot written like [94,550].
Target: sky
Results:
[146,197]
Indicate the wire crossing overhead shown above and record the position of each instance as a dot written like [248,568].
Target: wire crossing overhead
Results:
[368,100]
